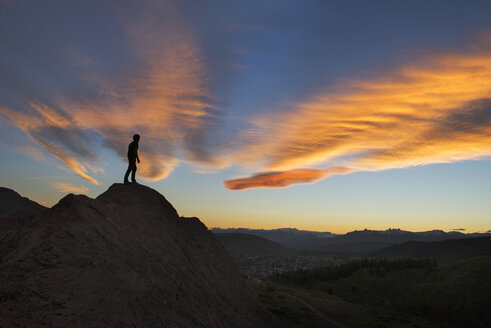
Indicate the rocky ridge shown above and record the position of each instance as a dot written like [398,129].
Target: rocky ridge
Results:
[123,259]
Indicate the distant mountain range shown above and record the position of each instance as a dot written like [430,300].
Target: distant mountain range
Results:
[282,241]
[446,249]
[288,237]
[252,245]
[355,242]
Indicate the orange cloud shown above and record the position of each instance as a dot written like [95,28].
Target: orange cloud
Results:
[69,188]
[165,100]
[161,94]
[70,161]
[284,179]
[435,111]
[41,127]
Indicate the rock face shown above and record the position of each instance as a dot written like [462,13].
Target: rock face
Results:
[124,259]
[12,203]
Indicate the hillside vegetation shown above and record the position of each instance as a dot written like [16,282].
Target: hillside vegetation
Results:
[452,289]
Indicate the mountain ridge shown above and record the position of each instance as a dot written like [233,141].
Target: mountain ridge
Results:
[12,203]
[357,241]
[122,259]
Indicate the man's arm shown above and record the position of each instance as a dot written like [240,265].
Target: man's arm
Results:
[137,158]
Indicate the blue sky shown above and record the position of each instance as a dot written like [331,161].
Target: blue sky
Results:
[325,115]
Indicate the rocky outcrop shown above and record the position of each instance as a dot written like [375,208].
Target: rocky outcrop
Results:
[124,259]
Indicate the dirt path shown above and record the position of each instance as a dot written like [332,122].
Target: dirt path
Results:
[320,314]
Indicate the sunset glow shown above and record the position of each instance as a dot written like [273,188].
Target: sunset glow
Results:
[250,114]
[436,113]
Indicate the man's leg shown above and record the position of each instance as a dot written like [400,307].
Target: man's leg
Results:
[127,173]
[133,173]
[131,167]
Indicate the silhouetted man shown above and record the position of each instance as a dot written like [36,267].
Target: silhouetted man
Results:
[132,158]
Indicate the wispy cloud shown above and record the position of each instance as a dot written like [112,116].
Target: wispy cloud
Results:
[70,161]
[161,93]
[67,187]
[437,110]
[33,152]
[284,179]
[56,134]
[166,102]
[92,91]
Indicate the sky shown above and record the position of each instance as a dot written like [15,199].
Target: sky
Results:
[319,115]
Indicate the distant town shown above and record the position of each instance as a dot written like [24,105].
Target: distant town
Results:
[257,266]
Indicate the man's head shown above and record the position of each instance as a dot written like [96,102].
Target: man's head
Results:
[136,137]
